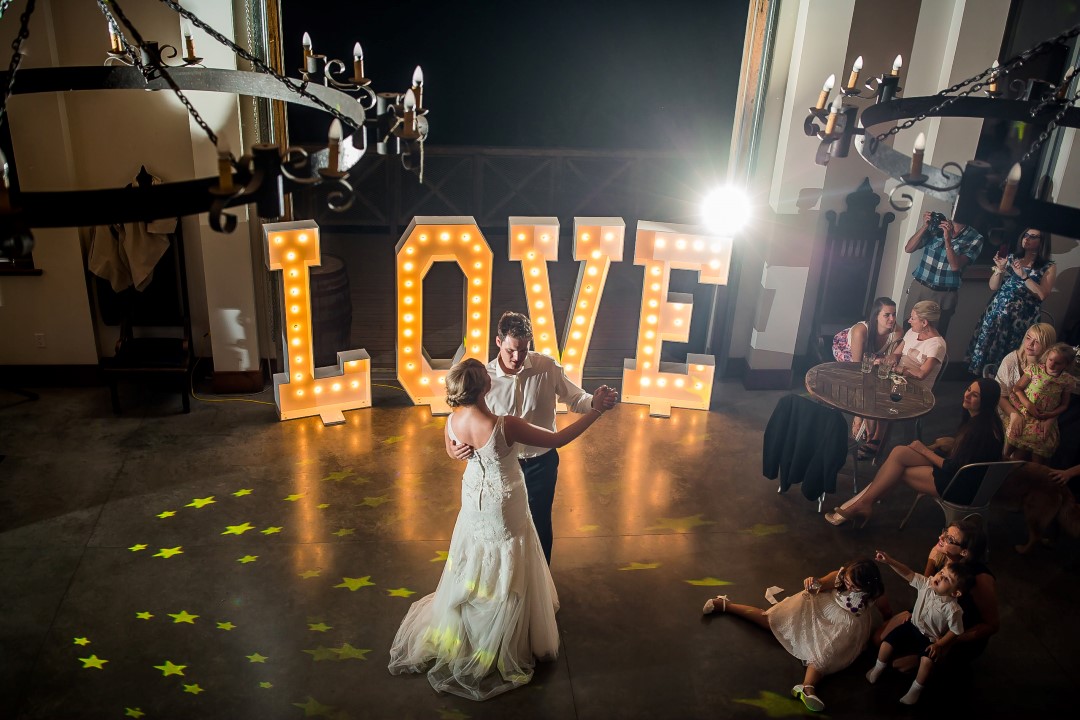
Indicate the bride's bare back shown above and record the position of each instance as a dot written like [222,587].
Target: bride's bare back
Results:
[473,425]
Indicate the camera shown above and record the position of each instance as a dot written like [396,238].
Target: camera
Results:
[933,226]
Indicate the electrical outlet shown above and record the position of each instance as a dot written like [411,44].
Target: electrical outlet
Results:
[39,340]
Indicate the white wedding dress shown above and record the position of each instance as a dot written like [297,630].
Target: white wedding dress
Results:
[493,612]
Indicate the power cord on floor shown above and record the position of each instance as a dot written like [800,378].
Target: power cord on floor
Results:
[236,398]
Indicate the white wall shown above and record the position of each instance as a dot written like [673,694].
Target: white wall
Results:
[100,139]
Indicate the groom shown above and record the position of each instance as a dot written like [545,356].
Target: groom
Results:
[527,384]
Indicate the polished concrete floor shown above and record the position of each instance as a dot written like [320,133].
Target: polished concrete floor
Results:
[222,564]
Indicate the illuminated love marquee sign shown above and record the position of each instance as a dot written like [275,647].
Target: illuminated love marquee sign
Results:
[302,390]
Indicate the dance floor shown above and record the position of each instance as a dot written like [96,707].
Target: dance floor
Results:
[222,564]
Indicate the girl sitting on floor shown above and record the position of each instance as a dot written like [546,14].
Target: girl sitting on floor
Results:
[826,626]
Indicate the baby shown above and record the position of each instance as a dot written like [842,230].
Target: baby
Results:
[935,620]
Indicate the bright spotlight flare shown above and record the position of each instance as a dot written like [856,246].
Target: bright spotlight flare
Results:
[726,210]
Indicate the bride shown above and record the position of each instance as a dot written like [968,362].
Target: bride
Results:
[494,608]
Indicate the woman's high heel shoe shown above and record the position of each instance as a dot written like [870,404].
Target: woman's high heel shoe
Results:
[838,518]
[711,603]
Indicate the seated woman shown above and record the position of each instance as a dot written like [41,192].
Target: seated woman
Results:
[1037,340]
[918,356]
[963,541]
[851,344]
[922,351]
[979,439]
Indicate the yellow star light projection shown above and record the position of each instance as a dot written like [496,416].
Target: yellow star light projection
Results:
[661,247]
[303,390]
[534,242]
[426,241]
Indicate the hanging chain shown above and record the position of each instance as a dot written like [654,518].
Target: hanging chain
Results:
[249,25]
[159,66]
[1065,106]
[298,88]
[16,52]
[996,73]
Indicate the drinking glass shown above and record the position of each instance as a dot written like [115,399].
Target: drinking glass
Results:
[867,363]
[885,367]
[896,394]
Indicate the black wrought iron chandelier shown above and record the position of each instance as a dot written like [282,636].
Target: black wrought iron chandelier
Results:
[976,190]
[263,176]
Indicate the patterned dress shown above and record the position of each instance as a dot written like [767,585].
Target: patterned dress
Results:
[1045,391]
[1012,310]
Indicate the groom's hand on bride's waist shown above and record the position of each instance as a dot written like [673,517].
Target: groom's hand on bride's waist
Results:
[461,450]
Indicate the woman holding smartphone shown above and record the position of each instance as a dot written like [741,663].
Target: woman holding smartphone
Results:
[1020,281]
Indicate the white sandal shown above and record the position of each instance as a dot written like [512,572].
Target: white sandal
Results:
[710,605]
[809,699]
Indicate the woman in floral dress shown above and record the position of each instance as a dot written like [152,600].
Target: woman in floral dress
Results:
[1020,283]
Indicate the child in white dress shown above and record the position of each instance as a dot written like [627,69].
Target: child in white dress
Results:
[826,626]
[936,620]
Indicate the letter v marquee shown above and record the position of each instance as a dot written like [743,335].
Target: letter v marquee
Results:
[534,242]
[303,390]
[660,247]
[426,241]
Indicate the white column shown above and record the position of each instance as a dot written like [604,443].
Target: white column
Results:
[954,39]
[227,263]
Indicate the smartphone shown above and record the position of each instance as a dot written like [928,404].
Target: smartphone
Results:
[1003,251]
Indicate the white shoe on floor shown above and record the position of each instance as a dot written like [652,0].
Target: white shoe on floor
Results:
[809,699]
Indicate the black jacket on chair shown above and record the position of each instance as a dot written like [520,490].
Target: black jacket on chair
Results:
[804,443]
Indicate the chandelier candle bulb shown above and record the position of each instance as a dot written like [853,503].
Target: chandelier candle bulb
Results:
[224,165]
[410,110]
[897,64]
[1008,195]
[115,45]
[834,112]
[917,155]
[992,87]
[334,145]
[825,90]
[856,68]
[189,44]
[311,64]
[418,86]
[358,62]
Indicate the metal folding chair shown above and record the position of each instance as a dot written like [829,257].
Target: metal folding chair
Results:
[996,473]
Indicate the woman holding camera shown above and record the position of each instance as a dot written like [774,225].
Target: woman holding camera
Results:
[1020,281]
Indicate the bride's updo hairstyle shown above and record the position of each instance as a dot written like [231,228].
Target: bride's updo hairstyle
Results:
[465,382]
